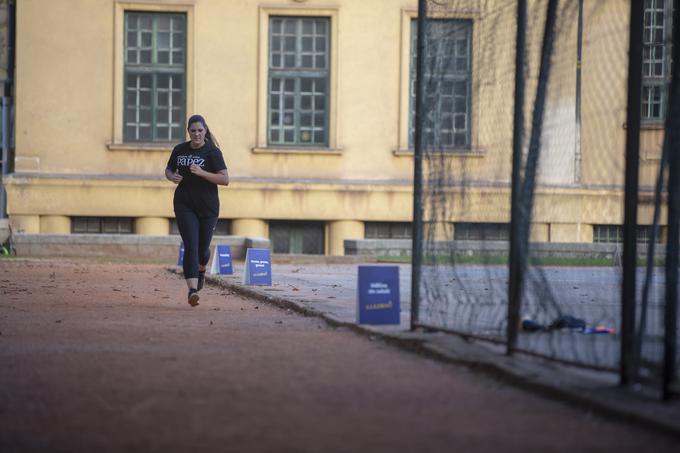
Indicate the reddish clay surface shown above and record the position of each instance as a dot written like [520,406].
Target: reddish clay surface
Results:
[110,357]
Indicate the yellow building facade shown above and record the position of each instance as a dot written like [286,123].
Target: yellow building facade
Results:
[336,162]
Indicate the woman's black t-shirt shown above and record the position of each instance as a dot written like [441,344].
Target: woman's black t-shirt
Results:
[194,193]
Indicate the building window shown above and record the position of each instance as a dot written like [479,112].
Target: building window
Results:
[448,72]
[481,231]
[102,225]
[387,230]
[613,234]
[223,227]
[298,81]
[155,82]
[656,58]
[297,237]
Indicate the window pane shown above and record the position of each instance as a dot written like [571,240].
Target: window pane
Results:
[276,25]
[307,44]
[223,227]
[307,27]
[320,61]
[163,99]
[177,116]
[288,102]
[306,120]
[147,38]
[178,23]
[163,40]
[145,133]
[145,56]
[163,133]
[163,22]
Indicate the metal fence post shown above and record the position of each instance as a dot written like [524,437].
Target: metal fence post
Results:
[4,106]
[514,283]
[417,247]
[672,247]
[631,192]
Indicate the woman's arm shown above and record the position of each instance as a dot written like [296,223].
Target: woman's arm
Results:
[220,178]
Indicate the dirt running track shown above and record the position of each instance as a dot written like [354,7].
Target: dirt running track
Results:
[109,358]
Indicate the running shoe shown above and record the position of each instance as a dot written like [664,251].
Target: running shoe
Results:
[193,297]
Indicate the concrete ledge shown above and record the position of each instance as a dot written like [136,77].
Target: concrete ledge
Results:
[4,230]
[130,246]
[402,247]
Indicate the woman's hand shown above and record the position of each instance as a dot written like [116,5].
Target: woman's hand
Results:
[173,176]
[197,170]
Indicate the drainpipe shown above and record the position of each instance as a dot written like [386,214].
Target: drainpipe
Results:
[6,106]
[579,59]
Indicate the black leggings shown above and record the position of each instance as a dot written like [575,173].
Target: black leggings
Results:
[196,233]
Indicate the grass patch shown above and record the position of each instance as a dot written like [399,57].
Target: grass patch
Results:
[503,260]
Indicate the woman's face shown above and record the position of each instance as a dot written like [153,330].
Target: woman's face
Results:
[197,134]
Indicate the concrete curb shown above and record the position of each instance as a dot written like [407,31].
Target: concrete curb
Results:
[594,391]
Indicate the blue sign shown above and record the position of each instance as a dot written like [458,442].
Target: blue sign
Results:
[258,267]
[378,295]
[221,262]
[180,259]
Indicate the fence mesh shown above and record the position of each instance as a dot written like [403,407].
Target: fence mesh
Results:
[575,76]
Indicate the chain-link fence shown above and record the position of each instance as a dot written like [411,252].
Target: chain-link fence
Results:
[524,127]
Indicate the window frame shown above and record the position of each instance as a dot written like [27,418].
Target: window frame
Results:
[117,142]
[613,234]
[297,232]
[297,75]
[103,223]
[476,148]
[481,231]
[650,81]
[452,76]
[155,69]
[262,127]
[394,230]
